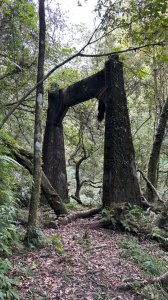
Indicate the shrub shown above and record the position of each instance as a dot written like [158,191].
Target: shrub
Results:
[6,284]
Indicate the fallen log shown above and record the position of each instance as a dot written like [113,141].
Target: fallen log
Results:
[24,158]
[80,215]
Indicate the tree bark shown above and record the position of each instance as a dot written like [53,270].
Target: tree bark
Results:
[120,183]
[155,153]
[25,158]
[79,92]
[81,215]
[54,165]
[31,233]
[120,177]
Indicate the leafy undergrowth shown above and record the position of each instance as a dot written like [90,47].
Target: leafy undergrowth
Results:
[86,263]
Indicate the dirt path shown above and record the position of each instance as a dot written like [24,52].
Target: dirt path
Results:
[89,266]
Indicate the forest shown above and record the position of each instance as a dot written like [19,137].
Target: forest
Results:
[83,150]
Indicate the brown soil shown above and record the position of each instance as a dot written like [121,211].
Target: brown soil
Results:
[88,267]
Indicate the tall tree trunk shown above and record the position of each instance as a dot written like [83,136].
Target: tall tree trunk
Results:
[36,189]
[54,165]
[155,153]
[120,183]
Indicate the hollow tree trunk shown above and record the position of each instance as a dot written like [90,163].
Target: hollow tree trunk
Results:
[155,153]
[120,183]
[54,165]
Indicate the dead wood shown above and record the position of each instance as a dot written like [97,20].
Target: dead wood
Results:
[151,186]
[24,158]
[148,205]
[79,201]
[163,217]
[162,280]
[80,215]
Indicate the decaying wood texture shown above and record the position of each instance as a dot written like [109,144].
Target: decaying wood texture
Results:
[83,90]
[54,165]
[80,215]
[59,100]
[120,177]
[25,158]
[120,182]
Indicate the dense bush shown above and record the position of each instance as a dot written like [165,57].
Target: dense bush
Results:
[8,234]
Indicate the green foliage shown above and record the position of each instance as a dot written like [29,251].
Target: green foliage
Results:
[9,237]
[123,216]
[147,262]
[56,241]
[155,292]
[36,239]
[8,232]
[151,264]
[158,234]
[73,206]
[141,21]
[6,284]
[107,216]
[131,218]
[8,203]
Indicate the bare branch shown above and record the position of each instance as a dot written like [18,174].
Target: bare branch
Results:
[78,54]
[162,43]
[151,186]
[141,126]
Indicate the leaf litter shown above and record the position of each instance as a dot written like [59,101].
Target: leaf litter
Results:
[89,267]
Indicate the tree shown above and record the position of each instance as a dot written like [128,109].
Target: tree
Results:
[120,179]
[139,21]
[120,183]
[54,165]
[155,152]
[18,28]
[36,189]
[86,140]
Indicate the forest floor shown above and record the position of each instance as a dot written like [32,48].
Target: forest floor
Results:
[80,262]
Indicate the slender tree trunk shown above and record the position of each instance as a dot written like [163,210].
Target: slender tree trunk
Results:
[54,165]
[36,189]
[79,183]
[25,158]
[120,183]
[155,153]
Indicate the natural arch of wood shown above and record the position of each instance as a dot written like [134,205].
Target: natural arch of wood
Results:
[120,182]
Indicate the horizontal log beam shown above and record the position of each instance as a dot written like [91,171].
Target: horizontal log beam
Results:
[83,90]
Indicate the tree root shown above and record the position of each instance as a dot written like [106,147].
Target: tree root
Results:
[162,280]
